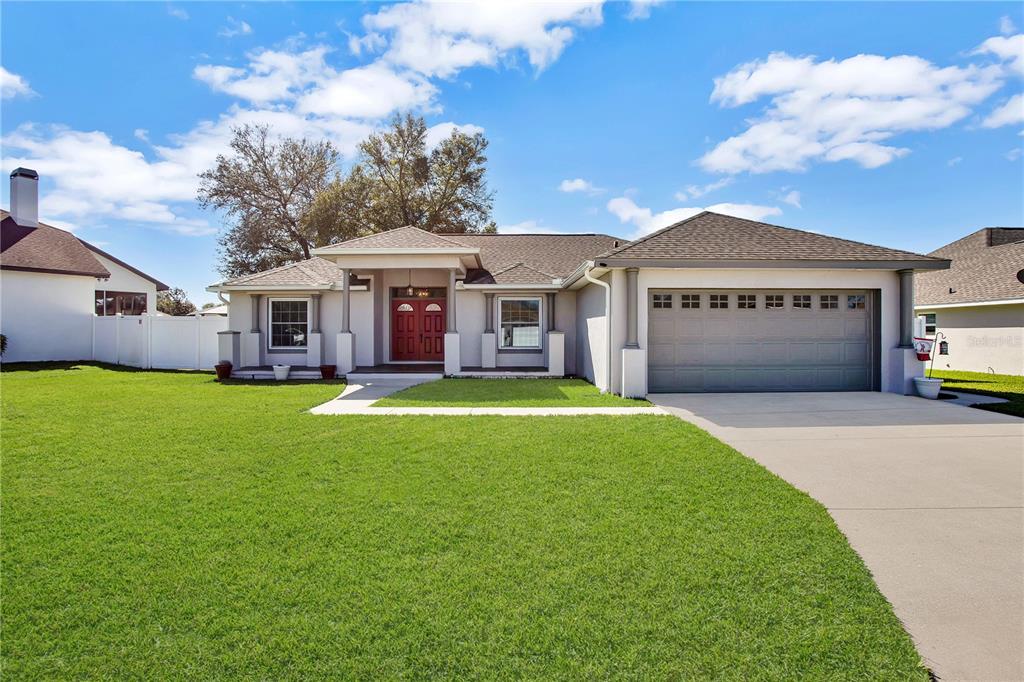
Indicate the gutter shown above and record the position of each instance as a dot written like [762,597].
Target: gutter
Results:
[968,304]
[608,322]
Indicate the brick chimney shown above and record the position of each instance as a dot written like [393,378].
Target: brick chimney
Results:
[25,197]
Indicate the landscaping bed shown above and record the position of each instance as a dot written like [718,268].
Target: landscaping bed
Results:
[162,525]
[506,393]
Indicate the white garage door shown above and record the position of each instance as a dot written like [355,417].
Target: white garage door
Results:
[759,340]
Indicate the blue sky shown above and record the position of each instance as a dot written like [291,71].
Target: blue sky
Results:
[898,124]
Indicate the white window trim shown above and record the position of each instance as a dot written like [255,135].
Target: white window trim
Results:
[270,323]
[540,321]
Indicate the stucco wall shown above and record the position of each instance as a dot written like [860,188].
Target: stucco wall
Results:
[591,347]
[46,316]
[123,279]
[981,338]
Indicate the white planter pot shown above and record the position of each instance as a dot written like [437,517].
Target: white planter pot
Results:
[927,388]
[281,372]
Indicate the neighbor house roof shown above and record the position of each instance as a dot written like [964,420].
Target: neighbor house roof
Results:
[50,249]
[45,249]
[711,236]
[984,267]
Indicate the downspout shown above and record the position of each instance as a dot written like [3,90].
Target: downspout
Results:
[608,323]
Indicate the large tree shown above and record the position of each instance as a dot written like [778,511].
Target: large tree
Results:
[287,198]
[267,186]
[174,302]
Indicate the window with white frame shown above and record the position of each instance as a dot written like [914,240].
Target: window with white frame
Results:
[746,301]
[930,325]
[830,302]
[689,301]
[719,301]
[519,321]
[289,322]
[802,301]
[773,301]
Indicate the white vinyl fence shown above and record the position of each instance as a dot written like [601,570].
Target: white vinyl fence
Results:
[157,341]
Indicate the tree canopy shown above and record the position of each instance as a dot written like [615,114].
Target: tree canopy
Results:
[287,197]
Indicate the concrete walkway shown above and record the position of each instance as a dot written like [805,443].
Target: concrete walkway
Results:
[930,494]
[359,398]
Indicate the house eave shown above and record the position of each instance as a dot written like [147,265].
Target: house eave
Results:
[329,251]
[216,288]
[968,304]
[817,264]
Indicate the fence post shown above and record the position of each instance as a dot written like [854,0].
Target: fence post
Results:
[198,318]
[117,339]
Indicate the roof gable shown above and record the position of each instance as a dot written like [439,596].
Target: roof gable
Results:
[713,236]
[983,267]
[45,249]
[407,237]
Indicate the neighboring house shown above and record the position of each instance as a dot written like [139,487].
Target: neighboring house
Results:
[214,311]
[712,303]
[978,303]
[52,283]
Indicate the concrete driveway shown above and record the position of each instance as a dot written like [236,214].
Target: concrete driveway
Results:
[929,494]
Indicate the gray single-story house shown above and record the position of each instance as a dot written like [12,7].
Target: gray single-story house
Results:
[712,303]
[975,309]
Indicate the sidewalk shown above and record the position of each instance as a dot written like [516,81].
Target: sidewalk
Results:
[359,398]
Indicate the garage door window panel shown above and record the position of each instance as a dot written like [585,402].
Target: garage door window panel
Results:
[662,301]
[774,302]
[719,301]
[689,301]
[829,302]
[746,301]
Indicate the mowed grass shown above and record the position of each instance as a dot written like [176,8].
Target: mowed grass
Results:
[161,525]
[506,393]
[1006,386]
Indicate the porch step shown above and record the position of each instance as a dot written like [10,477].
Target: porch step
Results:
[264,374]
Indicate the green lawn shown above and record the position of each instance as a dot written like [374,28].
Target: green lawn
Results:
[506,393]
[161,525]
[1000,385]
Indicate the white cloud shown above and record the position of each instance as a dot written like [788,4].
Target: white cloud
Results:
[234,28]
[440,39]
[1010,113]
[1013,154]
[370,43]
[270,75]
[695,191]
[1006,26]
[792,198]
[12,85]
[371,91]
[177,12]
[954,161]
[840,110]
[641,9]
[1009,49]
[579,185]
[441,131]
[141,134]
[646,221]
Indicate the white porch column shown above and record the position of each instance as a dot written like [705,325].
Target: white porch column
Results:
[250,341]
[228,348]
[314,344]
[452,361]
[556,354]
[631,305]
[906,308]
[346,340]
[488,340]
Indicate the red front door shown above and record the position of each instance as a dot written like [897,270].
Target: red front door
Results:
[417,329]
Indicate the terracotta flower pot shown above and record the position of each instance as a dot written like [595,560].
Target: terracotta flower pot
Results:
[223,370]
[327,371]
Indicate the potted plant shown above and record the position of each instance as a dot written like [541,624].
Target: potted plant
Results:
[223,369]
[327,371]
[926,386]
[281,372]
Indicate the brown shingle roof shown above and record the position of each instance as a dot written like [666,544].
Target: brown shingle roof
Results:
[712,236]
[313,272]
[45,249]
[984,267]
[549,255]
[407,237]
